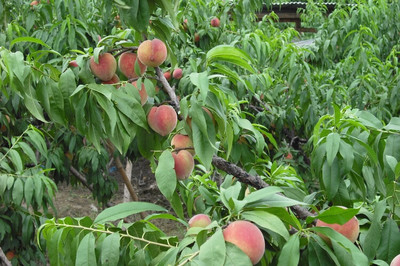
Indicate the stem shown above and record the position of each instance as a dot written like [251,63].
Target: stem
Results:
[190,258]
[15,143]
[121,234]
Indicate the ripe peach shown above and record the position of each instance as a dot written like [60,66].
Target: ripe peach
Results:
[10,255]
[180,141]
[73,63]
[248,237]
[177,74]
[34,3]
[199,220]
[106,67]
[126,64]
[351,229]
[113,80]
[196,37]
[184,164]
[162,119]
[395,261]
[152,53]
[142,92]
[167,75]
[215,22]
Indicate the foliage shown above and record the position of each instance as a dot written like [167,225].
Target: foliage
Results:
[317,124]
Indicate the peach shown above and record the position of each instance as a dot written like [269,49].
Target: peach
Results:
[184,164]
[152,53]
[196,37]
[73,63]
[105,68]
[177,74]
[395,261]
[215,22]
[162,119]
[199,220]
[351,229]
[34,3]
[248,237]
[180,141]
[142,92]
[126,64]
[167,75]
[113,80]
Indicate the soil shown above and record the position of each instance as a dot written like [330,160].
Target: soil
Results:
[77,201]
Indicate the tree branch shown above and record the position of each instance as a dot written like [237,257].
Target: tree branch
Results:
[252,180]
[169,90]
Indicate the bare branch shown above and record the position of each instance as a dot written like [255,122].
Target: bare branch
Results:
[169,90]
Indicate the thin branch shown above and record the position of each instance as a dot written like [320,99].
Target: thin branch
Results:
[169,90]
[80,177]
[3,259]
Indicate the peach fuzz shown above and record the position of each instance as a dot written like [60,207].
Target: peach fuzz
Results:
[184,164]
[199,220]
[152,53]
[105,68]
[248,237]
[126,64]
[180,141]
[142,92]
[162,119]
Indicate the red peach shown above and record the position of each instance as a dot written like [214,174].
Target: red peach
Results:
[199,220]
[395,261]
[105,68]
[167,75]
[215,22]
[126,65]
[184,164]
[177,74]
[142,92]
[162,119]
[248,237]
[180,141]
[152,53]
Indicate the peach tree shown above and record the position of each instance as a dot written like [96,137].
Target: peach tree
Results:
[262,138]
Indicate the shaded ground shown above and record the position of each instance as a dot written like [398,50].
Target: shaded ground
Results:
[78,201]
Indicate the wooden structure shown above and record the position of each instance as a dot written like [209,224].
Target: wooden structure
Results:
[289,12]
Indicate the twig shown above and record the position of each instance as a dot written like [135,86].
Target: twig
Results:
[3,259]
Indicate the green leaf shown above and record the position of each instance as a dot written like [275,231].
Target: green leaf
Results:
[389,246]
[28,151]
[358,257]
[332,146]
[3,183]
[18,191]
[200,80]
[203,142]
[213,251]
[268,221]
[16,160]
[28,39]
[110,250]
[331,178]
[28,191]
[165,174]
[235,256]
[262,194]
[290,254]
[86,251]
[336,215]
[369,119]
[394,124]
[123,210]
[230,54]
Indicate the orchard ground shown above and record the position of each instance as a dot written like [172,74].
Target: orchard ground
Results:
[77,201]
